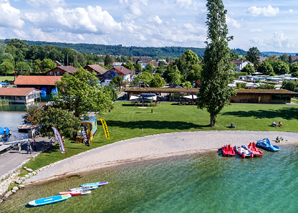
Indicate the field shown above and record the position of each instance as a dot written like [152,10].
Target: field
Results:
[126,121]
[9,78]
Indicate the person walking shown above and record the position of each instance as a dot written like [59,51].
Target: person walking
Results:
[28,146]
[20,147]
[34,143]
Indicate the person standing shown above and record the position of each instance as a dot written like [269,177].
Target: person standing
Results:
[20,147]
[34,143]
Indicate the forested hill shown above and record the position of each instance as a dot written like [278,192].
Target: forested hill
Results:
[99,49]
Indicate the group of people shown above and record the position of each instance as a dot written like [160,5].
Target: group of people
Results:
[279,139]
[29,146]
[275,125]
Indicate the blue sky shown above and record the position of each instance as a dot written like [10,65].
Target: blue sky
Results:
[268,25]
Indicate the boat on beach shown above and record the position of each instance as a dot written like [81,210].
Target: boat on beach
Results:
[266,144]
[228,151]
[243,152]
[252,147]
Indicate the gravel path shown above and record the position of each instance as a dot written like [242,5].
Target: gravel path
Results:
[153,147]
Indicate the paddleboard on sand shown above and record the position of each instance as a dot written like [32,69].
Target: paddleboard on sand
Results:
[75,192]
[84,188]
[48,200]
[95,184]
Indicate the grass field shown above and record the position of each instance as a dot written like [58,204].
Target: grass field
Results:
[9,78]
[127,121]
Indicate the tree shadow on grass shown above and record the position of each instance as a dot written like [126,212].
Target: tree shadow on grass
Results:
[285,113]
[155,125]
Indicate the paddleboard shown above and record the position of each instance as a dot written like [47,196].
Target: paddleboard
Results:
[95,184]
[48,200]
[75,192]
[84,188]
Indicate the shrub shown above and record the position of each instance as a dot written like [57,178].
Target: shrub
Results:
[237,74]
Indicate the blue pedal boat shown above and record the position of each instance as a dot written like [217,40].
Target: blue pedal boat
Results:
[266,144]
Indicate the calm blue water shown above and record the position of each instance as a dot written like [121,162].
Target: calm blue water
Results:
[196,183]
[11,120]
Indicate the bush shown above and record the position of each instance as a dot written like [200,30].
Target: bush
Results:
[295,74]
[237,74]
[272,74]
[240,85]
[266,86]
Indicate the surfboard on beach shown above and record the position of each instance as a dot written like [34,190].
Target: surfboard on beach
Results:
[48,200]
[95,184]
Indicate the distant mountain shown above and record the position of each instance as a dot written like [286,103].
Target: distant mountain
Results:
[100,49]
[160,52]
[275,53]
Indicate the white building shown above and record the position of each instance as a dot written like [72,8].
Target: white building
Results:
[241,64]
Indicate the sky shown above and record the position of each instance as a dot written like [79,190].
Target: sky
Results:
[267,25]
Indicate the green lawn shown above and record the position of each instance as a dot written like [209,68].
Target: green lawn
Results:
[126,121]
[9,78]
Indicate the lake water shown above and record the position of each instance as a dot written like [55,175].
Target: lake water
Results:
[194,183]
[11,120]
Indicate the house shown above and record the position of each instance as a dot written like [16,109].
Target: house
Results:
[294,58]
[125,73]
[154,63]
[61,70]
[46,83]
[240,64]
[20,95]
[99,70]
[261,59]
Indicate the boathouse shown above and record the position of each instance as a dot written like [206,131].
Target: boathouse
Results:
[20,95]
[46,83]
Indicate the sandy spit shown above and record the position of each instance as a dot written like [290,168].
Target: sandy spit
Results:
[153,147]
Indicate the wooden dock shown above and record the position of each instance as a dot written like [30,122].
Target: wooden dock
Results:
[10,144]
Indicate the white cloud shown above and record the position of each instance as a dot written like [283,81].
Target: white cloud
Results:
[157,20]
[256,30]
[291,11]
[183,3]
[10,16]
[135,9]
[280,40]
[47,3]
[20,34]
[81,37]
[232,22]
[79,20]
[263,11]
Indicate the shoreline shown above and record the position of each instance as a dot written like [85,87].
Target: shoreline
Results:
[150,148]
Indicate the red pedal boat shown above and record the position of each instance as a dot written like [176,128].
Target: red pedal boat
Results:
[252,147]
[228,150]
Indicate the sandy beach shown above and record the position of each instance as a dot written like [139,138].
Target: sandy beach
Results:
[154,147]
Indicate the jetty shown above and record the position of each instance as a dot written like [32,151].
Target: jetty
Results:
[10,144]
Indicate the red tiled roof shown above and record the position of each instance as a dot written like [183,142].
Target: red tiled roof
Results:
[97,68]
[124,70]
[15,91]
[69,69]
[239,61]
[154,63]
[36,80]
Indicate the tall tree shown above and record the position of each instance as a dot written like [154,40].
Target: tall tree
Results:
[138,67]
[129,65]
[265,67]
[284,57]
[6,67]
[253,55]
[248,68]
[79,93]
[108,60]
[149,67]
[280,67]
[216,74]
